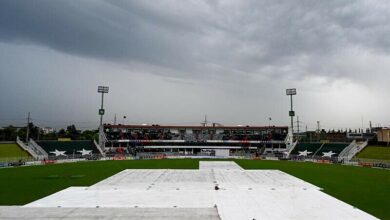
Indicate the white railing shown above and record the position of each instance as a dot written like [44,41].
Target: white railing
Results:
[98,147]
[291,148]
[105,137]
[42,153]
[27,148]
[360,148]
[346,151]
[287,141]
[318,150]
[354,148]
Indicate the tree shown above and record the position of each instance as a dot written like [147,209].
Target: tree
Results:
[62,133]
[34,131]
[89,134]
[50,136]
[10,133]
[2,135]
[72,132]
[21,133]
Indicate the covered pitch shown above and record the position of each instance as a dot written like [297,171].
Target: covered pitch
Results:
[218,190]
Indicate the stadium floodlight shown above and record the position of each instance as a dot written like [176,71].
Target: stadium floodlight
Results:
[102,90]
[291,91]
[291,113]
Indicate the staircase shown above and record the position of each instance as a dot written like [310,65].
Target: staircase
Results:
[261,150]
[291,148]
[98,147]
[344,153]
[38,149]
[349,152]
[315,153]
[27,148]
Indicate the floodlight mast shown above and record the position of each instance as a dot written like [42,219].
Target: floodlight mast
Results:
[291,92]
[102,90]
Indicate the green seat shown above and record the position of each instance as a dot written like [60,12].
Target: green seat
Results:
[69,147]
[311,147]
[334,147]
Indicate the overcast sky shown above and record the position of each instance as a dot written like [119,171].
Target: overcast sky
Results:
[174,61]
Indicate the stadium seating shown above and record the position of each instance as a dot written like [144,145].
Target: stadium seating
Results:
[334,147]
[190,137]
[69,147]
[311,147]
[317,149]
[12,152]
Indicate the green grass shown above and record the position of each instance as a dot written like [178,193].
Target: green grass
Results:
[12,152]
[366,188]
[374,152]
[22,185]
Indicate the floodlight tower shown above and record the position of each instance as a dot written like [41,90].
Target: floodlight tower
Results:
[291,93]
[102,90]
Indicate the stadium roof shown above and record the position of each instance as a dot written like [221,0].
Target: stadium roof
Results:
[244,127]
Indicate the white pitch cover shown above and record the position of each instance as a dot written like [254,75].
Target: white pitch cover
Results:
[235,192]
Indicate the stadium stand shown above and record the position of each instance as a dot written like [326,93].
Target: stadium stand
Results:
[194,133]
[354,148]
[70,147]
[35,149]
[334,147]
[10,152]
[311,147]
[26,147]
[195,140]
[317,149]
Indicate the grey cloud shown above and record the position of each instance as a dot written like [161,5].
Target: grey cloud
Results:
[184,38]
[204,57]
[93,29]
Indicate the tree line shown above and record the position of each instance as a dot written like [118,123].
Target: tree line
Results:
[10,132]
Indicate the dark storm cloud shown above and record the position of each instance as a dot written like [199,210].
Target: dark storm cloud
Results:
[228,59]
[196,37]
[87,28]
